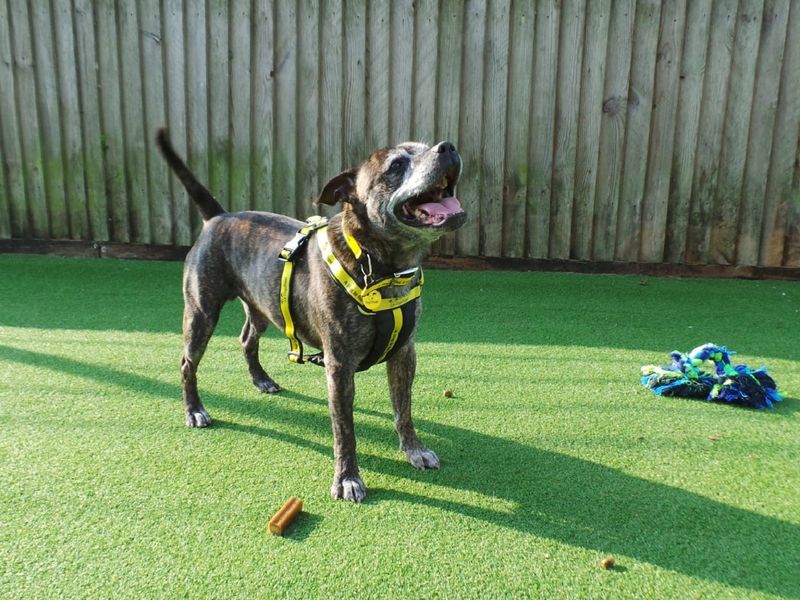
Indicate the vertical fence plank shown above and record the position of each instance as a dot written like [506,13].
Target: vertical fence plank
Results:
[330,117]
[568,93]
[448,91]
[471,134]
[762,123]
[707,160]
[241,21]
[308,78]
[725,210]
[154,117]
[588,132]
[401,52]
[197,98]
[27,112]
[515,176]
[133,113]
[219,106]
[92,148]
[285,113]
[69,105]
[378,32]
[174,85]
[50,122]
[354,131]
[263,88]
[425,65]
[13,188]
[112,139]
[779,240]
[692,70]
[612,129]
[655,202]
[637,134]
[494,126]
[545,69]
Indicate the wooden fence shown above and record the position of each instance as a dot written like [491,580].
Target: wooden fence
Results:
[600,130]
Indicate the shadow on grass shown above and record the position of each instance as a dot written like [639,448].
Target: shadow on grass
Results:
[551,495]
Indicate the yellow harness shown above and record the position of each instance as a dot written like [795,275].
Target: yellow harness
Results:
[395,315]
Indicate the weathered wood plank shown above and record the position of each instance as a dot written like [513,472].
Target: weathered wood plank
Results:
[762,124]
[285,112]
[515,177]
[175,88]
[354,127]
[637,129]
[692,71]
[612,129]
[494,126]
[780,240]
[378,81]
[132,114]
[112,130]
[35,204]
[308,108]
[448,91]
[49,118]
[241,77]
[154,117]
[196,99]
[262,118]
[542,132]
[219,105]
[12,160]
[425,63]
[330,117]
[471,130]
[83,16]
[401,63]
[712,115]
[588,129]
[568,95]
[655,202]
[725,211]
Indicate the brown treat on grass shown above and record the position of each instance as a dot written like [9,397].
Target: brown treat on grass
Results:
[608,562]
[284,517]
[448,393]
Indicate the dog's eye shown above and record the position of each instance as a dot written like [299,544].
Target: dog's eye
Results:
[398,165]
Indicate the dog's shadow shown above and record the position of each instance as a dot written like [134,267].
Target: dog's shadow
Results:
[539,492]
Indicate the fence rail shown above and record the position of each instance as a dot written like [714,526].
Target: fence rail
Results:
[598,130]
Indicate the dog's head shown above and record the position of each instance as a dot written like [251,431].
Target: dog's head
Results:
[406,190]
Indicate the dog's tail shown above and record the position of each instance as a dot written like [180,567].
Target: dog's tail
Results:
[206,203]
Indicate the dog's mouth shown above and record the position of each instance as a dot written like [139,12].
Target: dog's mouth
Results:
[435,207]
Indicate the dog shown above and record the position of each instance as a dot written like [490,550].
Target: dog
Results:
[394,205]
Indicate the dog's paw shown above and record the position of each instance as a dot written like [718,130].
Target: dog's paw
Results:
[422,458]
[348,488]
[266,385]
[198,418]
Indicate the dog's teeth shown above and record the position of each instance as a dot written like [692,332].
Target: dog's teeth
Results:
[442,184]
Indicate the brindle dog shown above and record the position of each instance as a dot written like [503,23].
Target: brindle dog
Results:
[395,205]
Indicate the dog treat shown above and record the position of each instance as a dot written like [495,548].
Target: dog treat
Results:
[448,393]
[284,517]
[608,562]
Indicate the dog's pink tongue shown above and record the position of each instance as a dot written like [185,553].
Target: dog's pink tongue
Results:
[446,208]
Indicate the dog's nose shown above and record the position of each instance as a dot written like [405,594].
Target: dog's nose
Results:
[443,147]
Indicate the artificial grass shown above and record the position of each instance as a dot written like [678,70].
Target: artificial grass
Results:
[552,454]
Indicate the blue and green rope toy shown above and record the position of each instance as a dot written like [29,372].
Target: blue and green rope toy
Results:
[706,372]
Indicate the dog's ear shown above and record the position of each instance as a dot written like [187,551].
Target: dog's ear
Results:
[338,189]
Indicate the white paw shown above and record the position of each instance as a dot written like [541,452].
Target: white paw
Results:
[198,418]
[348,488]
[422,458]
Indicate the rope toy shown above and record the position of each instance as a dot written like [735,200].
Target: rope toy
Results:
[706,372]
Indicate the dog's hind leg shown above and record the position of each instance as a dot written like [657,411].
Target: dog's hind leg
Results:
[198,325]
[254,325]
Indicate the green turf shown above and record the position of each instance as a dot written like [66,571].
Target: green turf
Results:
[553,456]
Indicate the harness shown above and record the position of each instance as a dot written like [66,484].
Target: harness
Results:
[394,316]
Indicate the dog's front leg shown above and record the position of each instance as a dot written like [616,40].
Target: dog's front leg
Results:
[401,368]
[341,388]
